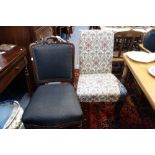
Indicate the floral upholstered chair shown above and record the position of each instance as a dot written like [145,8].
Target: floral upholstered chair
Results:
[96,82]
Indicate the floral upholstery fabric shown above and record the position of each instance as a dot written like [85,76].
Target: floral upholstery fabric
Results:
[96,82]
[99,88]
[96,51]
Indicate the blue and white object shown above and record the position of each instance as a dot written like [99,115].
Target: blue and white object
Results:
[10,115]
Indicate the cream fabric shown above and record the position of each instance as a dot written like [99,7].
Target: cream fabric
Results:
[98,88]
[96,82]
[96,51]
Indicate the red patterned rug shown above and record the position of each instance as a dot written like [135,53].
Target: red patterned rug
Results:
[134,115]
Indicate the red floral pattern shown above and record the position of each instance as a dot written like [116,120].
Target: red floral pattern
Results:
[96,82]
[98,88]
[96,51]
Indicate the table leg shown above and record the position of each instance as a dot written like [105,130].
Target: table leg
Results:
[28,81]
[125,73]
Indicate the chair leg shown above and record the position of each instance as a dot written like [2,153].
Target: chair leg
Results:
[118,108]
[92,115]
[90,109]
[90,119]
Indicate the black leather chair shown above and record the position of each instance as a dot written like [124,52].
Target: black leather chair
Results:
[53,105]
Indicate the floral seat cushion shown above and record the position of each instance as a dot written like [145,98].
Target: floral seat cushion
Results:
[100,88]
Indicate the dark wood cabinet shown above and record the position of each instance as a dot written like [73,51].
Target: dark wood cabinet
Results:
[12,63]
[21,36]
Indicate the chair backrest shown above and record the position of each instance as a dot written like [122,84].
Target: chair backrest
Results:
[132,38]
[149,41]
[53,60]
[127,41]
[96,51]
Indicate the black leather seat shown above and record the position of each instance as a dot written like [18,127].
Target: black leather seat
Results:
[54,106]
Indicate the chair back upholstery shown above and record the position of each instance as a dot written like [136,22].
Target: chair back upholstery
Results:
[53,60]
[96,51]
[149,40]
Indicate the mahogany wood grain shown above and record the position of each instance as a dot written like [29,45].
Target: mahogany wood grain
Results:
[11,64]
[21,36]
